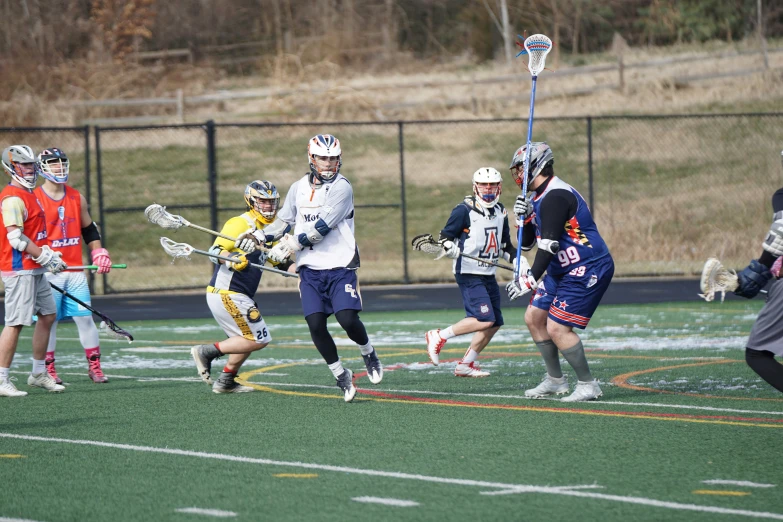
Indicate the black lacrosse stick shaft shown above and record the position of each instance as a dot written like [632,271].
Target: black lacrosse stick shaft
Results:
[103,316]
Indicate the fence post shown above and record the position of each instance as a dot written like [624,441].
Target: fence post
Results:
[87,194]
[403,207]
[212,173]
[590,165]
[101,213]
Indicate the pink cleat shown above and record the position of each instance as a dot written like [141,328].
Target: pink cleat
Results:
[50,369]
[96,373]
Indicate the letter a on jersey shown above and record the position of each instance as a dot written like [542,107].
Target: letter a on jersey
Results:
[491,245]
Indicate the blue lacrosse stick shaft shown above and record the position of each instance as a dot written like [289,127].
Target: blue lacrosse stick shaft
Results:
[527,169]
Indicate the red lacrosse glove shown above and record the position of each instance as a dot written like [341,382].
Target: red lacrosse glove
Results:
[100,257]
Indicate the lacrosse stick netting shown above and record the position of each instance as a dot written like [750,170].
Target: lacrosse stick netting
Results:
[716,278]
[536,46]
[158,215]
[427,244]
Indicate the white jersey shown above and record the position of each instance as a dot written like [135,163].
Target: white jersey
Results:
[333,203]
[479,232]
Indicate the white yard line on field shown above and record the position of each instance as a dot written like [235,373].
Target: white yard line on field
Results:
[521,488]
[208,512]
[744,483]
[386,501]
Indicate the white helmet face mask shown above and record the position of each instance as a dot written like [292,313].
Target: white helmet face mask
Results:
[487,186]
[540,156]
[325,157]
[54,165]
[20,163]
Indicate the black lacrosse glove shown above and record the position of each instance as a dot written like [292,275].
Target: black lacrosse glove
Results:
[752,279]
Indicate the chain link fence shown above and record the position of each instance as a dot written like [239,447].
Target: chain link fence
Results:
[667,191]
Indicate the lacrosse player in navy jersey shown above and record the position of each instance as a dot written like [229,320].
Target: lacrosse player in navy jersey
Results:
[578,269]
[766,335]
[477,227]
[319,207]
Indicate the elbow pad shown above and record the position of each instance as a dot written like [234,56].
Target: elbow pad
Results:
[315,234]
[215,250]
[18,240]
[90,233]
[549,245]
[276,230]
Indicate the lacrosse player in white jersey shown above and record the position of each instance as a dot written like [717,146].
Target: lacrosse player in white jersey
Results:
[477,227]
[319,207]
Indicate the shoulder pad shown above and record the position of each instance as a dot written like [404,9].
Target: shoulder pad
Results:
[470,202]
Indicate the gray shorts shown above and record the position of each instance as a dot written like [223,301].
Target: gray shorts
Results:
[767,331]
[25,296]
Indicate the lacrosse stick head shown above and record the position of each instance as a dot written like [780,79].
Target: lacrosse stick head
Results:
[157,215]
[175,249]
[110,329]
[716,278]
[536,46]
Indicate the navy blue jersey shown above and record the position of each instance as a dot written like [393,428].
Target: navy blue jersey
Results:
[580,241]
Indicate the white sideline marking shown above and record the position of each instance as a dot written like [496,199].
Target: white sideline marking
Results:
[527,399]
[386,501]
[521,488]
[6,519]
[739,483]
[207,512]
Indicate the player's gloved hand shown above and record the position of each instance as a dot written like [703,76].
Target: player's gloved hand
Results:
[774,241]
[240,263]
[450,249]
[523,207]
[50,260]
[521,286]
[246,242]
[287,245]
[752,279]
[100,257]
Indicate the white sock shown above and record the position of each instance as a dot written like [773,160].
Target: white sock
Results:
[337,368]
[366,349]
[470,356]
[4,373]
[448,333]
[39,366]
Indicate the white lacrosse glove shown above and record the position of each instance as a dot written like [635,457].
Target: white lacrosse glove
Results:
[287,245]
[521,286]
[449,249]
[50,260]
[523,207]
[246,242]
[774,241]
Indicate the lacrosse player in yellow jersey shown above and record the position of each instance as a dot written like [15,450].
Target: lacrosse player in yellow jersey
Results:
[232,287]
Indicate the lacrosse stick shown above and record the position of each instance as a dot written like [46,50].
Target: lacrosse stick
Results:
[427,244]
[157,215]
[717,278]
[536,46]
[176,250]
[93,267]
[107,326]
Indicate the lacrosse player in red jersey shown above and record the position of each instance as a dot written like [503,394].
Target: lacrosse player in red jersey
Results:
[69,225]
[578,269]
[232,288]
[766,335]
[24,258]
[478,227]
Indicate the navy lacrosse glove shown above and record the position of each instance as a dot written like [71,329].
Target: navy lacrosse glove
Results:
[752,279]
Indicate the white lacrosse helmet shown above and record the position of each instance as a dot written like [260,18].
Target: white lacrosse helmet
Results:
[14,157]
[256,194]
[54,165]
[488,195]
[540,156]
[325,156]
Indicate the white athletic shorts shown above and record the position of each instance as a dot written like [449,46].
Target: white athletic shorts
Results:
[25,296]
[238,315]
[75,283]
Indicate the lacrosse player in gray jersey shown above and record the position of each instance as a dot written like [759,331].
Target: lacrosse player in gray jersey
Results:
[766,335]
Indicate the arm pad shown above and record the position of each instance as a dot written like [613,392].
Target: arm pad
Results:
[90,233]
[18,240]
[314,235]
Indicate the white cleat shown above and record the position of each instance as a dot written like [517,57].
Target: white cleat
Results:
[469,370]
[7,389]
[345,383]
[45,381]
[584,391]
[434,344]
[549,386]
[374,367]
